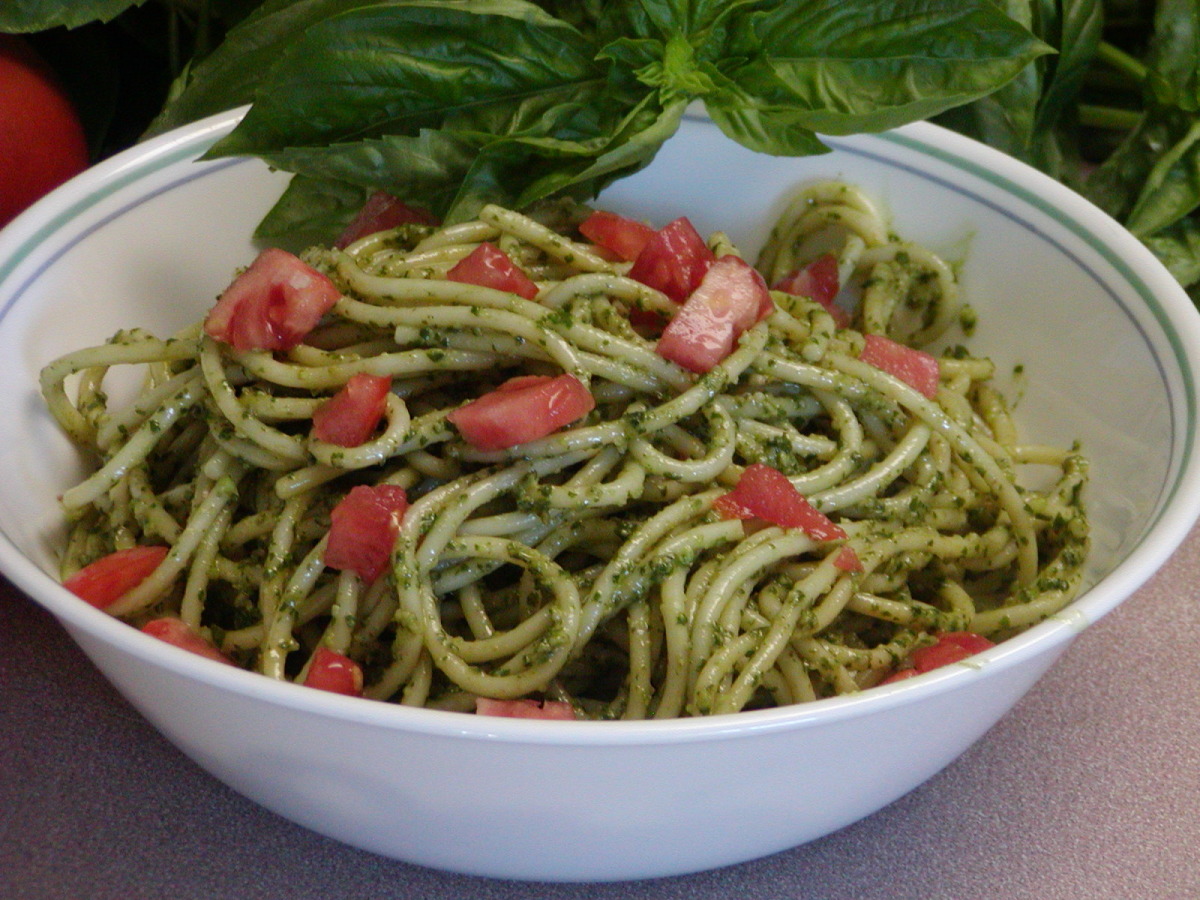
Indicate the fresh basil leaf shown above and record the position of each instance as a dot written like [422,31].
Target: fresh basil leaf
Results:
[544,167]
[395,68]
[633,54]
[25,16]
[311,211]
[869,67]
[1172,188]
[1178,247]
[583,15]
[1004,118]
[754,124]
[231,74]
[701,22]
[455,174]
[1075,34]
[427,168]
[1173,59]
[1123,181]
[678,73]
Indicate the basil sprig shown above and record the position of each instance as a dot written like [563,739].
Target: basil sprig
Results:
[452,104]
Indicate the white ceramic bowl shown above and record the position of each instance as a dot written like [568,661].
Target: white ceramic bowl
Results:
[1110,347]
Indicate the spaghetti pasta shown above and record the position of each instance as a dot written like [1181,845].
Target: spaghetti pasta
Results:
[589,565]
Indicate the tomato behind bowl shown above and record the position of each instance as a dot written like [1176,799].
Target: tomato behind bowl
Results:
[42,142]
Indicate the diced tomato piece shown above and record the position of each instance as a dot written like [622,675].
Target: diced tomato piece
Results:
[521,410]
[381,212]
[351,415]
[818,281]
[951,647]
[331,671]
[916,368]
[847,560]
[524,709]
[673,260]
[765,493]
[489,266]
[178,633]
[624,237]
[970,641]
[105,581]
[272,305]
[731,297]
[363,529]
[520,382]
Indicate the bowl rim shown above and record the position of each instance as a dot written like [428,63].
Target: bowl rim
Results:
[1173,518]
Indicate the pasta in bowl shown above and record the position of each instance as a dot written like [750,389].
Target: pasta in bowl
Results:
[768,522]
[604,492]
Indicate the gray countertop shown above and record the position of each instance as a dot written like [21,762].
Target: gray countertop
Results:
[1090,788]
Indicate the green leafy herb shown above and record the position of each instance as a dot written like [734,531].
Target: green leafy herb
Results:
[455,104]
[1115,114]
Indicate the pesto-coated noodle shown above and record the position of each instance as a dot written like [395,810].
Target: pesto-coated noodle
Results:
[589,565]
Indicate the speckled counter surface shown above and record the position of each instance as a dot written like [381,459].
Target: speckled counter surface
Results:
[1088,790]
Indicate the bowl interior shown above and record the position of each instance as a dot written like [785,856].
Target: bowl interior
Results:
[1090,337]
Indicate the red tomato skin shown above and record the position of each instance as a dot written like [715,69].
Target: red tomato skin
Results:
[42,143]
[363,530]
[489,266]
[847,560]
[382,212]
[673,260]
[333,672]
[916,368]
[521,410]
[730,298]
[273,305]
[763,492]
[350,416]
[178,633]
[524,709]
[951,647]
[819,282]
[105,581]
[968,640]
[624,237]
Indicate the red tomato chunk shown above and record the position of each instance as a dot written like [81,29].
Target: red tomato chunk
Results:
[382,212]
[42,142]
[350,416]
[178,633]
[521,410]
[489,266]
[623,237]
[818,281]
[765,493]
[951,647]
[673,260]
[333,672]
[847,560]
[524,709]
[730,298]
[273,305]
[105,581]
[364,528]
[916,368]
